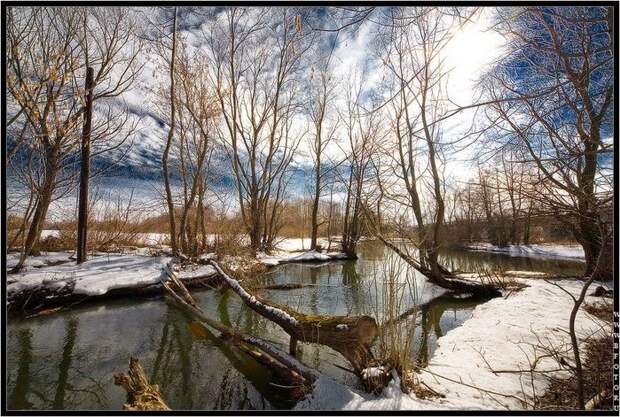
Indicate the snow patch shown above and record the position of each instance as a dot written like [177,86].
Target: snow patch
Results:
[373,372]
[330,395]
[309,256]
[501,331]
[546,250]
[102,273]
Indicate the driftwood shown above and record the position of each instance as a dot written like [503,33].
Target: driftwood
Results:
[352,337]
[141,395]
[286,368]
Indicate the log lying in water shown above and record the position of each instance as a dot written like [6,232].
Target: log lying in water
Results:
[141,395]
[287,368]
[352,337]
[445,279]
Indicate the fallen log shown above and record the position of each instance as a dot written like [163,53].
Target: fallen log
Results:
[440,303]
[287,368]
[352,337]
[141,395]
[445,278]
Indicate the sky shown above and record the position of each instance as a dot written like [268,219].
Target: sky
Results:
[469,54]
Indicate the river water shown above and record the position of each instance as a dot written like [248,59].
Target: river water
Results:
[67,360]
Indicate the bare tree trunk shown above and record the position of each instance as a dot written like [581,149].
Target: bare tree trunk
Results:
[40,213]
[315,204]
[169,200]
[82,227]
[141,395]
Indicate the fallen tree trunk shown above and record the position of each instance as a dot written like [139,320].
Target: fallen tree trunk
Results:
[287,368]
[439,275]
[445,278]
[141,395]
[352,337]
[442,302]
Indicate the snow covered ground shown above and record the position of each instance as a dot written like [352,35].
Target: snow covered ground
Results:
[502,333]
[545,250]
[330,395]
[46,258]
[99,274]
[280,257]
[298,250]
[301,244]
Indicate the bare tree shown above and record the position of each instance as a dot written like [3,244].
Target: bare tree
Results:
[557,111]
[410,50]
[255,67]
[198,112]
[45,70]
[322,94]
[362,131]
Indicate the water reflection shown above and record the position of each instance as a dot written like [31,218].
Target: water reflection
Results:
[435,319]
[21,387]
[67,360]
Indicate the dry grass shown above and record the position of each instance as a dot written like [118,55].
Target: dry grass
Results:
[394,284]
[598,379]
[602,310]
[500,280]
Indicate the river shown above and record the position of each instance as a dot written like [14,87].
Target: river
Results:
[67,360]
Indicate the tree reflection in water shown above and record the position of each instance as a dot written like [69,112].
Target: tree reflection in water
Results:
[431,315]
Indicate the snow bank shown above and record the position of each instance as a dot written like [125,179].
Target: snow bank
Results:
[300,244]
[330,395]
[102,273]
[571,252]
[500,331]
[46,258]
[310,256]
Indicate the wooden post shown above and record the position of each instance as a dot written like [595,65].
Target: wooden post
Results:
[85,169]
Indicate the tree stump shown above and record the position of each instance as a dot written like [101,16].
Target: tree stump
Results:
[141,395]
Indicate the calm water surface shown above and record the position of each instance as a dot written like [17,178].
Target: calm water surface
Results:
[67,360]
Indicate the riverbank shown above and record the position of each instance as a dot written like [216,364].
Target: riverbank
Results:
[484,363]
[544,250]
[462,353]
[53,280]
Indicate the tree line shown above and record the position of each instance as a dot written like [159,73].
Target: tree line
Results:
[262,87]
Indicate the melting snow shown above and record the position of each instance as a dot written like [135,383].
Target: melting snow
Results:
[102,273]
[309,256]
[574,252]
